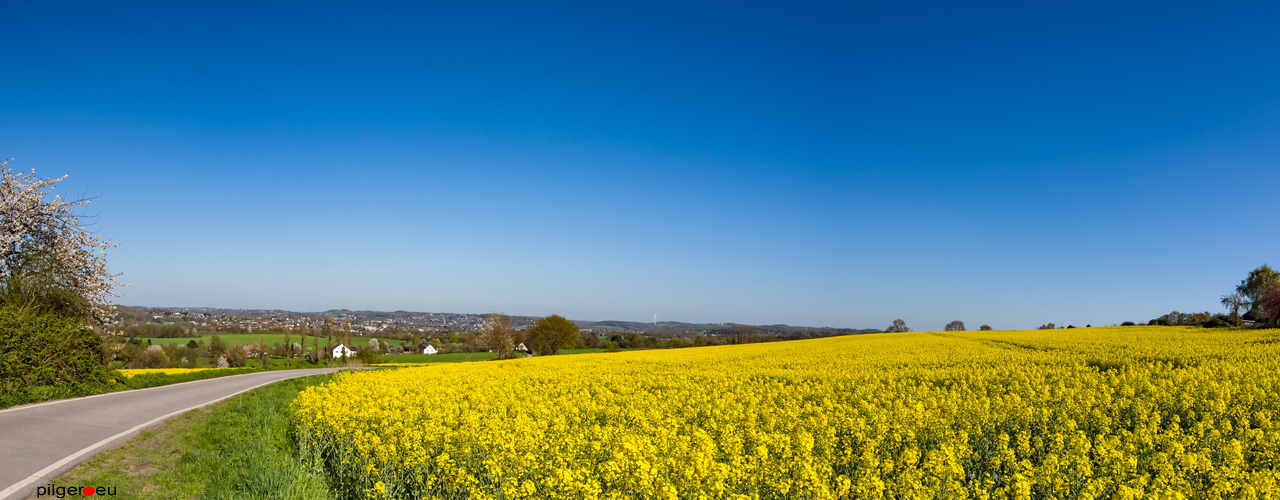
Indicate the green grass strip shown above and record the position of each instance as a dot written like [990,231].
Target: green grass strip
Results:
[236,449]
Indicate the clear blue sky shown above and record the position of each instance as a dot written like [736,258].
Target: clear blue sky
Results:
[827,164]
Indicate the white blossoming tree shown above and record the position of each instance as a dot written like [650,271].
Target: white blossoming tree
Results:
[48,258]
[497,335]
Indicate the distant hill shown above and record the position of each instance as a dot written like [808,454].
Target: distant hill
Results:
[681,329]
[413,320]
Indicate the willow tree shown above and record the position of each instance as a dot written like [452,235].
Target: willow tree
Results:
[1256,286]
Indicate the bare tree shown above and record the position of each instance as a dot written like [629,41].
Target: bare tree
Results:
[1235,302]
[955,326]
[898,326]
[497,335]
[328,332]
[316,345]
[264,356]
[45,239]
[288,346]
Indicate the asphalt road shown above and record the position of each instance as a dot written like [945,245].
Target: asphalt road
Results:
[40,441]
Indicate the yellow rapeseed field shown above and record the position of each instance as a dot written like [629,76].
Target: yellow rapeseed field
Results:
[1120,412]
[166,371]
[396,365]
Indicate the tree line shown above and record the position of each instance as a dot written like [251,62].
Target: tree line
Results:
[1254,302]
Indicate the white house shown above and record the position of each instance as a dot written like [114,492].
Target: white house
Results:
[430,350]
[342,351]
[522,348]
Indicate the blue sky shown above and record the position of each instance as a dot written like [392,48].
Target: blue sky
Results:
[826,164]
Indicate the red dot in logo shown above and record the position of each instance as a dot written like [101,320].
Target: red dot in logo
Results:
[87,491]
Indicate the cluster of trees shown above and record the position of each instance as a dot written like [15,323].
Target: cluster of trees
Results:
[1205,319]
[955,326]
[1258,295]
[547,336]
[136,353]
[1255,301]
[158,331]
[958,326]
[1051,326]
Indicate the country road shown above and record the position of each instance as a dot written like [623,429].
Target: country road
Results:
[40,441]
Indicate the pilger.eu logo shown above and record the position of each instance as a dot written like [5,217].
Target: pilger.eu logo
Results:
[74,491]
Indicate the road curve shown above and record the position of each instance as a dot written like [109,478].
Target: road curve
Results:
[40,441]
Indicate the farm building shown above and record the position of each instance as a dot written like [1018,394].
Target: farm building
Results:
[430,350]
[342,351]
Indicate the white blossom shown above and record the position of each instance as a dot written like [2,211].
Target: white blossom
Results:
[29,222]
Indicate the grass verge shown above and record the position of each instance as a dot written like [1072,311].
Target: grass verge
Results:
[236,449]
[44,393]
[48,393]
[119,383]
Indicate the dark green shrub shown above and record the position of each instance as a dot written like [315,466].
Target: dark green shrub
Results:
[368,356]
[237,356]
[150,358]
[40,348]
